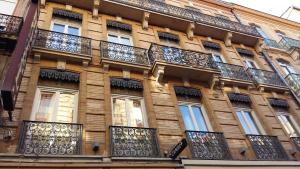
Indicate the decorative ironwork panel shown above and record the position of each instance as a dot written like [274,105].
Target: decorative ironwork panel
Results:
[48,138]
[267,147]
[296,141]
[208,145]
[10,24]
[266,77]
[289,43]
[192,15]
[272,43]
[294,81]
[124,53]
[133,142]
[62,42]
[180,56]
[233,71]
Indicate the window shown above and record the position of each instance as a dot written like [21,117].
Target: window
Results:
[8,6]
[218,57]
[129,111]
[250,63]
[55,105]
[120,39]
[287,68]
[193,117]
[116,51]
[72,43]
[280,33]
[246,119]
[260,31]
[288,125]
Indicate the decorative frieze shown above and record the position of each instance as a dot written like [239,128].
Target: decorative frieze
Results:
[237,97]
[67,14]
[187,92]
[118,25]
[280,103]
[126,84]
[57,75]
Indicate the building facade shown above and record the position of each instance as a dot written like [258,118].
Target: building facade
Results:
[151,84]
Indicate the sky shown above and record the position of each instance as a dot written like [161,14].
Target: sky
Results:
[274,7]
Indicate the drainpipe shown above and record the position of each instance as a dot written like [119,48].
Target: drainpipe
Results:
[267,58]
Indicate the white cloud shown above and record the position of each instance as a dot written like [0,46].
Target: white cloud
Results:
[274,7]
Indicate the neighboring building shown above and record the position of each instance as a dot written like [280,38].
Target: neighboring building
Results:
[117,84]
[292,13]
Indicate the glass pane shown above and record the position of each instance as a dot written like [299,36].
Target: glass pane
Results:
[135,111]
[66,108]
[217,58]
[251,123]
[250,64]
[125,41]
[243,123]
[262,33]
[58,28]
[45,107]
[188,123]
[73,31]
[288,125]
[119,112]
[199,118]
[113,38]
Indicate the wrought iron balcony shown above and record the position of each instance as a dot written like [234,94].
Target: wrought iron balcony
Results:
[49,138]
[294,81]
[133,142]
[188,14]
[10,25]
[123,53]
[263,77]
[62,42]
[296,141]
[182,57]
[267,147]
[273,44]
[234,72]
[289,43]
[208,145]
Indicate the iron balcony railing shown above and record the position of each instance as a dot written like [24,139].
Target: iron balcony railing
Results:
[294,81]
[63,42]
[273,44]
[234,72]
[264,77]
[296,141]
[267,147]
[50,138]
[289,43]
[182,57]
[133,142]
[208,145]
[10,25]
[123,53]
[192,15]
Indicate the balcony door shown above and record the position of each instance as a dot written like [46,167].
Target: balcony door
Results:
[67,37]
[129,111]
[246,119]
[120,46]
[194,118]
[286,67]
[289,124]
[55,105]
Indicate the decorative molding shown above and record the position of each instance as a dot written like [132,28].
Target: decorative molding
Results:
[190,31]
[237,97]
[67,14]
[118,25]
[281,103]
[57,75]
[168,36]
[145,20]
[245,52]
[258,46]
[125,83]
[187,92]
[211,45]
[227,39]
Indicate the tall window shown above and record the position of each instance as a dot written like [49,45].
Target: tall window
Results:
[288,124]
[250,63]
[71,43]
[8,6]
[247,121]
[260,31]
[55,105]
[193,117]
[129,111]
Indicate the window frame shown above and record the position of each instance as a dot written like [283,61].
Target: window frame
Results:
[66,24]
[55,90]
[294,124]
[256,121]
[127,97]
[203,111]
[119,34]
